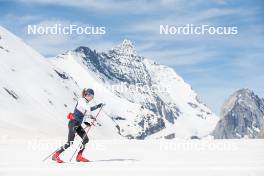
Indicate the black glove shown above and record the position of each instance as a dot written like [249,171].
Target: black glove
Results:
[97,106]
[100,105]
[87,123]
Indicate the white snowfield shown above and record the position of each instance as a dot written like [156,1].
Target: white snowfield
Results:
[138,157]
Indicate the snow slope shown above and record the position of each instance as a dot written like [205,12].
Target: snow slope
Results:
[34,97]
[74,67]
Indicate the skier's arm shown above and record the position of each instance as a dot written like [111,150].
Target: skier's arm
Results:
[96,106]
[88,114]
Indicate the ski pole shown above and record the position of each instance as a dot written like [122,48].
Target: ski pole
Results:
[116,124]
[86,134]
[50,154]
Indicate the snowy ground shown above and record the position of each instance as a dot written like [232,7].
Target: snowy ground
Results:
[149,157]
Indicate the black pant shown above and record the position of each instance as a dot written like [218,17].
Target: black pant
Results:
[75,127]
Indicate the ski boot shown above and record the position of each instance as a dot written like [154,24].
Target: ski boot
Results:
[55,157]
[80,158]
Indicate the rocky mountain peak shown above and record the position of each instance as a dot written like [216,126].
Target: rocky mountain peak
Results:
[125,48]
[244,98]
[83,49]
[241,116]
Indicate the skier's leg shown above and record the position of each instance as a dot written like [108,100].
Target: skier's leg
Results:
[72,125]
[81,132]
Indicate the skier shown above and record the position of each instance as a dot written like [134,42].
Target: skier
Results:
[76,118]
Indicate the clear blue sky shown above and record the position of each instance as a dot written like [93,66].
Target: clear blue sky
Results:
[215,66]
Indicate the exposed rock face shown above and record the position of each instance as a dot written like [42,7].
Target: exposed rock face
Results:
[262,131]
[241,116]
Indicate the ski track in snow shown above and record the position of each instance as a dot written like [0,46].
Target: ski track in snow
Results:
[149,157]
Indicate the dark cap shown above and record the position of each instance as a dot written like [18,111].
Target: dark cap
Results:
[89,92]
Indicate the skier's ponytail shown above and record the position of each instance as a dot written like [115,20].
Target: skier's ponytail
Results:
[83,92]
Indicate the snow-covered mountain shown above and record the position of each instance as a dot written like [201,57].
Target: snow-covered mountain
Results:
[144,98]
[241,116]
[34,97]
